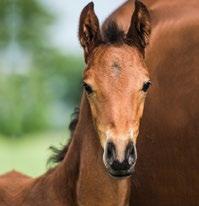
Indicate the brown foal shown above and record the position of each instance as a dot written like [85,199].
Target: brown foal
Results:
[102,154]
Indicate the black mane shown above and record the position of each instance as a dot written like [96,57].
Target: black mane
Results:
[59,153]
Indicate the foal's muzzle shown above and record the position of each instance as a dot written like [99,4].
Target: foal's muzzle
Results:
[118,168]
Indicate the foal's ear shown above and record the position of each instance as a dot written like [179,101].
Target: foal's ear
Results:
[140,27]
[89,30]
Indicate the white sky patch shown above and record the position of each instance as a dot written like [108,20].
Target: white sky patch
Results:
[64,31]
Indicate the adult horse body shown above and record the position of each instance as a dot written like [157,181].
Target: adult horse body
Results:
[102,149]
[167,172]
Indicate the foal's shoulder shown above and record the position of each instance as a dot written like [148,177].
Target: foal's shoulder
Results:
[12,185]
[13,175]
[13,180]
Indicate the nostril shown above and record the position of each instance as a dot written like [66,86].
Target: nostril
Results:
[131,160]
[131,154]
[110,153]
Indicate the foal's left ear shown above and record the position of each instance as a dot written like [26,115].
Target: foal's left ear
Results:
[140,27]
[89,30]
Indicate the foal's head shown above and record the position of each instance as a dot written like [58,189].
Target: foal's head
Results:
[116,81]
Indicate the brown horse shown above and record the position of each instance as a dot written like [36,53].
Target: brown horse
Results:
[167,171]
[102,154]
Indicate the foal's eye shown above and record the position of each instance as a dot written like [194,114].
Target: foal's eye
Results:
[87,88]
[146,86]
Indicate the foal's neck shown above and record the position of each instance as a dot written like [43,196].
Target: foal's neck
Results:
[91,182]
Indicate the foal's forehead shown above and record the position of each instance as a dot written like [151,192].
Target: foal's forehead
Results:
[116,57]
[115,61]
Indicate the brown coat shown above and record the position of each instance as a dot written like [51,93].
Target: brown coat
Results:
[167,172]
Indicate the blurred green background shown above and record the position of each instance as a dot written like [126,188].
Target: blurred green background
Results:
[40,78]
[39,86]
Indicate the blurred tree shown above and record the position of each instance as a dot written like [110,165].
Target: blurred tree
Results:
[32,26]
[4,34]
[49,78]
[24,21]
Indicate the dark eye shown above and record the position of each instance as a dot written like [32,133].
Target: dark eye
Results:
[146,86]
[87,88]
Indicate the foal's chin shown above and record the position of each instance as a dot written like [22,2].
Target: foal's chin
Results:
[120,174]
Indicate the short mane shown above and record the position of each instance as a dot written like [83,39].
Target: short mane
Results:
[59,154]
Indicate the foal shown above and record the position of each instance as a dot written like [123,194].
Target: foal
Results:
[102,154]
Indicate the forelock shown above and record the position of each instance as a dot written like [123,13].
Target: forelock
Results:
[113,34]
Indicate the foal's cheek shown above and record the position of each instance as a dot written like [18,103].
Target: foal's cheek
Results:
[98,128]
[101,135]
[103,141]
[141,109]
[93,107]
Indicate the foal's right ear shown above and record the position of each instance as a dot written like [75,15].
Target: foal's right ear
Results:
[89,30]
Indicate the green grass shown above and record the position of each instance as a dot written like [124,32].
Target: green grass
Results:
[30,153]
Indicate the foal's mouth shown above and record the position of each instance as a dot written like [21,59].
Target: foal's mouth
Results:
[120,174]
